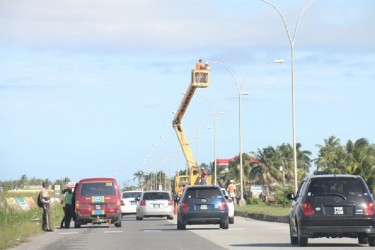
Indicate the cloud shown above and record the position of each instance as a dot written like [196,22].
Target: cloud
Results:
[178,25]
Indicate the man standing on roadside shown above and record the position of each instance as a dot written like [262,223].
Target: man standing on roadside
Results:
[46,200]
[232,191]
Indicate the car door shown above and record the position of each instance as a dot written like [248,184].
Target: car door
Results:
[296,202]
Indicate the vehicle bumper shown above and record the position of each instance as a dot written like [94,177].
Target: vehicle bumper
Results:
[336,227]
[100,218]
[203,218]
[155,213]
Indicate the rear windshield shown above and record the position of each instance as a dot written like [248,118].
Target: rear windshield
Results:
[345,186]
[206,193]
[156,196]
[131,195]
[98,189]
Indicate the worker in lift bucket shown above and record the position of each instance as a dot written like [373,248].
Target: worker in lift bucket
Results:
[199,65]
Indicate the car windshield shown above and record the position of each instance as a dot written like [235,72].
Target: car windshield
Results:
[131,195]
[331,186]
[204,193]
[156,196]
[98,189]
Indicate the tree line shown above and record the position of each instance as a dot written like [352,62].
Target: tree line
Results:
[24,182]
[273,167]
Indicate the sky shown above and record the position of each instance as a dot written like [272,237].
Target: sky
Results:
[88,88]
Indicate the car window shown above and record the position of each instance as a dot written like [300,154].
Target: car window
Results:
[131,195]
[345,186]
[204,193]
[156,196]
[301,188]
[98,189]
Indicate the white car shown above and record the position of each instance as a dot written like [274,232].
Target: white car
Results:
[130,202]
[230,205]
[155,204]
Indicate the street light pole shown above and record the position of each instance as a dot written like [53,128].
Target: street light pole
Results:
[242,201]
[214,113]
[292,42]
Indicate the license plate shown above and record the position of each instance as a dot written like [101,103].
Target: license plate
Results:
[133,203]
[156,205]
[203,207]
[338,210]
[98,207]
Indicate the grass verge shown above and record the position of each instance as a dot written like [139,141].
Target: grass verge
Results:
[262,208]
[16,226]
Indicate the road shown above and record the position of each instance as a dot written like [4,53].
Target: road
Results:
[159,233]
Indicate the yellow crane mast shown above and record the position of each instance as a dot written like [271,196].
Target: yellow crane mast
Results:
[199,79]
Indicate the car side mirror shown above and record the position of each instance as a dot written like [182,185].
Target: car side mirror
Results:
[290,196]
[138,198]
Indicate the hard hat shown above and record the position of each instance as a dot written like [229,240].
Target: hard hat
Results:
[231,181]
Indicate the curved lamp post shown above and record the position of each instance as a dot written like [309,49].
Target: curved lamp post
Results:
[292,41]
[240,93]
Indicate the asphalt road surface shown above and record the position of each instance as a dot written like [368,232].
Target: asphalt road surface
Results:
[160,233]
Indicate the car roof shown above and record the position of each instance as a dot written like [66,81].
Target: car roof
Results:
[333,175]
[203,187]
[156,191]
[98,179]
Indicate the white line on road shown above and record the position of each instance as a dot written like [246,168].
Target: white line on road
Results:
[69,233]
[110,232]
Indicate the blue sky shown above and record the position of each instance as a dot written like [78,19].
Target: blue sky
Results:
[88,88]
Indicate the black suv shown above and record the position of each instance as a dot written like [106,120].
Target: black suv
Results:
[332,206]
[202,205]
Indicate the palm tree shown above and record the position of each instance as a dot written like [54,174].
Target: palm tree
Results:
[303,161]
[361,160]
[331,156]
[267,172]
[139,175]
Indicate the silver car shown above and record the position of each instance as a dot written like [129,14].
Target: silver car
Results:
[155,204]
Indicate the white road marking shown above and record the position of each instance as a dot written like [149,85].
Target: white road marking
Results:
[110,232]
[69,233]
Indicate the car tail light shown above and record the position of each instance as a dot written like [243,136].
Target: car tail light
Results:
[368,208]
[222,205]
[142,203]
[307,209]
[122,203]
[185,207]
[77,205]
[170,203]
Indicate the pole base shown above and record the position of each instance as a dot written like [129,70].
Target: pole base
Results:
[242,202]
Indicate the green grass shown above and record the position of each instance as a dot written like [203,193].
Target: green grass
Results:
[262,208]
[16,226]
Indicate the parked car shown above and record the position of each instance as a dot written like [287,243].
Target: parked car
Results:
[97,200]
[155,204]
[332,206]
[202,205]
[230,205]
[129,199]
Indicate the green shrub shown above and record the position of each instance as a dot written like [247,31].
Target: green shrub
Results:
[280,195]
[253,201]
